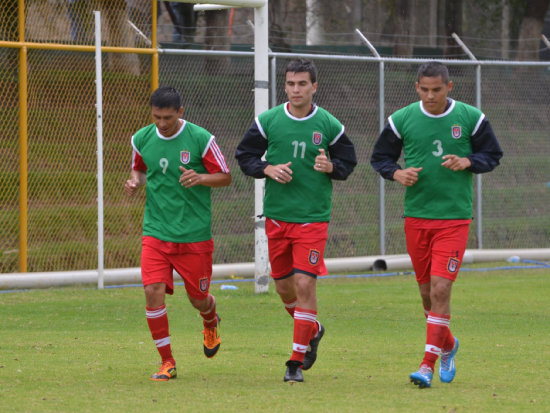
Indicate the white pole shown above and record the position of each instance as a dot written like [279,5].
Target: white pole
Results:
[99,114]
[261,99]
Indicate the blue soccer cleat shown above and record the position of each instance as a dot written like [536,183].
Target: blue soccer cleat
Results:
[423,377]
[447,369]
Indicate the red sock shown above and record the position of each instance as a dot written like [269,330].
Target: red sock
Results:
[437,328]
[449,340]
[304,325]
[290,305]
[209,318]
[157,319]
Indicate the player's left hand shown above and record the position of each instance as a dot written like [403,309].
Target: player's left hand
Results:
[322,163]
[456,163]
[189,178]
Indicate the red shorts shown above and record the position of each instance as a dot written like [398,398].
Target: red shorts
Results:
[192,261]
[436,247]
[296,247]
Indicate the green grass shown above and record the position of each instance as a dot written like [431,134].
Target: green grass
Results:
[77,349]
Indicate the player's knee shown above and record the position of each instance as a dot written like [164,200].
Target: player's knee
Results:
[285,288]
[199,304]
[440,295]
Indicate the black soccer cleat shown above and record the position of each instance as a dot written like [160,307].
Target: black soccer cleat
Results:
[311,354]
[293,372]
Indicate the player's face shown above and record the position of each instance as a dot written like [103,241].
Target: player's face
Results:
[167,120]
[433,93]
[299,89]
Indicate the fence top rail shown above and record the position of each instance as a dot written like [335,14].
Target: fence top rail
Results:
[356,58]
[74,47]
[229,53]
[412,60]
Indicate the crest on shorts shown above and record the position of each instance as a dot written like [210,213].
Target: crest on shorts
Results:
[317,138]
[185,157]
[452,265]
[314,257]
[203,284]
[457,131]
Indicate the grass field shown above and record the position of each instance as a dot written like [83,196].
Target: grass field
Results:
[77,349]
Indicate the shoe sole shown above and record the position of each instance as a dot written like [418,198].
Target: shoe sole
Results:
[211,352]
[164,379]
[420,383]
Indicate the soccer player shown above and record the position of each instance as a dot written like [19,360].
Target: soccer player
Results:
[306,148]
[179,162]
[444,142]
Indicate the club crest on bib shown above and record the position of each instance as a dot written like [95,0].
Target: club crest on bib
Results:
[203,284]
[457,131]
[452,265]
[314,256]
[185,157]
[317,138]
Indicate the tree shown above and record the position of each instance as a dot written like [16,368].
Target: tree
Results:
[453,24]
[216,39]
[402,40]
[116,17]
[314,22]
[277,31]
[531,29]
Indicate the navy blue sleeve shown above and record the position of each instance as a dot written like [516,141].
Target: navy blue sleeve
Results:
[486,151]
[250,151]
[342,156]
[386,153]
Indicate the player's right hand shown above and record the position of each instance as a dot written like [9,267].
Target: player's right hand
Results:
[407,177]
[131,186]
[280,173]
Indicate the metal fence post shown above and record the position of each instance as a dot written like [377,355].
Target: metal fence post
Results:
[479,183]
[381,118]
[99,125]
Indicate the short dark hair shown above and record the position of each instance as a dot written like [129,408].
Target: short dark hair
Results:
[165,97]
[434,69]
[302,65]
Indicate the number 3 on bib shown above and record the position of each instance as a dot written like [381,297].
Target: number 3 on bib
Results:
[439,148]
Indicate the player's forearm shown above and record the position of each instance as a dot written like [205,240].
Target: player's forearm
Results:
[138,176]
[343,158]
[341,169]
[486,151]
[387,151]
[216,180]
[250,151]
[252,165]
[484,162]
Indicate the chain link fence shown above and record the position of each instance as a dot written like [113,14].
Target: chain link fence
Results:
[218,94]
